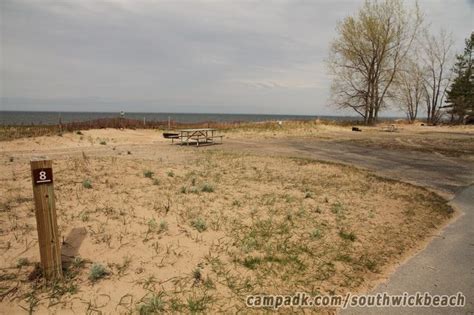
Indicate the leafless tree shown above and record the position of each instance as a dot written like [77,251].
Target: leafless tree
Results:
[437,64]
[367,53]
[410,87]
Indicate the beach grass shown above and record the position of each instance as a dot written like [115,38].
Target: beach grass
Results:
[245,224]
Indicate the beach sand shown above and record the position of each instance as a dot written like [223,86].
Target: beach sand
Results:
[188,229]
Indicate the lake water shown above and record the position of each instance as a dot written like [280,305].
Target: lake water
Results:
[50,118]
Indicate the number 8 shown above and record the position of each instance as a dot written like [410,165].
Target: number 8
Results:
[42,175]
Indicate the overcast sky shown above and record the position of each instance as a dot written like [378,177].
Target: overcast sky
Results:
[180,56]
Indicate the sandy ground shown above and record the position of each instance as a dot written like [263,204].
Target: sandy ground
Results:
[207,226]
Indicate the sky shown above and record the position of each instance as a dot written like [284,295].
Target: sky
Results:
[181,56]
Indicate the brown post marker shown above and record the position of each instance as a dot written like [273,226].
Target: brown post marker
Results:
[48,236]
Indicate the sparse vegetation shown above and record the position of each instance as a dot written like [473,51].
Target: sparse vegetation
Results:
[22,262]
[97,272]
[265,222]
[316,234]
[87,184]
[350,236]
[207,188]
[199,224]
[197,275]
[152,305]
[148,174]
[163,226]
[198,304]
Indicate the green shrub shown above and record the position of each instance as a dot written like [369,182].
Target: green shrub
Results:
[152,305]
[316,234]
[148,174]
[251,262]
[87,184]
[199,224]
[97,272]
[207,188]
[347,236]
[163,226]
[152,225]
[337,208]
[22,262]
[197,275]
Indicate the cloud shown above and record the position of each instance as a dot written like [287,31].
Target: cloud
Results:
[172,55]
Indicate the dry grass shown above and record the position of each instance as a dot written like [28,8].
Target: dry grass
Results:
[199,237]
[25,131]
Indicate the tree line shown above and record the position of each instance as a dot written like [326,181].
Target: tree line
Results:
[385,55]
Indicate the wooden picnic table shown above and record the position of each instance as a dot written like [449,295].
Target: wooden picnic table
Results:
[202,135]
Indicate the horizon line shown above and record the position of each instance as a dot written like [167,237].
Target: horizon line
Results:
[192,113]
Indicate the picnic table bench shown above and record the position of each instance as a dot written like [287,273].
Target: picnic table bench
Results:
[198,136]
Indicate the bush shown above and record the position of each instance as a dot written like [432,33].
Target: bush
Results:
[22,262]
[347,236]
[163,226]
[199,224]
[87,184]
[97,272]
[148,174]
[152,305]
[316,234]
[207,188]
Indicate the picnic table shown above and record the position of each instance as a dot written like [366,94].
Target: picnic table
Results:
[198,136]
[202,135]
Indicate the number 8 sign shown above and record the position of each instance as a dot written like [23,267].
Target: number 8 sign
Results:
[43,176]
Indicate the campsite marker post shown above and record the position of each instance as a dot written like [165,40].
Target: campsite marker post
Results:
[46,222]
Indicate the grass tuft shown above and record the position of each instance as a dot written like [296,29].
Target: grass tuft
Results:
[163,226]
[22,262]
[207,188]
[152,305]
[97,272]
[199,224]
[252,262]
[148,174]
[87,184]
[350,236]
[316,234]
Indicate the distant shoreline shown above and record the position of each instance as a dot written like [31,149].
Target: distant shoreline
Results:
[12,118]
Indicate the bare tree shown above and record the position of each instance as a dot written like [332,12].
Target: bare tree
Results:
[410,87]
[367,53]
[437,64]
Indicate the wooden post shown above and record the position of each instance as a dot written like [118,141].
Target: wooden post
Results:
[48,236]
